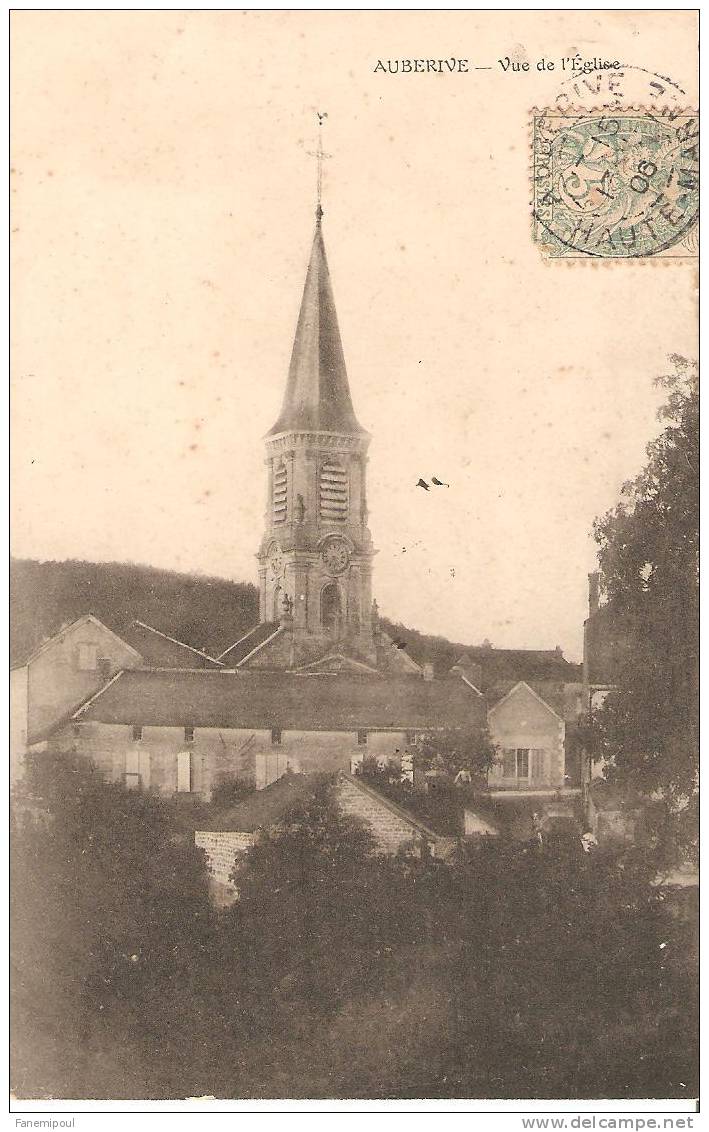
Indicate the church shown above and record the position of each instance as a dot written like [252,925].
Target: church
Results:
[316,683]
[316,554]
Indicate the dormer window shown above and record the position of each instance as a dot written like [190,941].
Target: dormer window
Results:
[280,493]
[334,492]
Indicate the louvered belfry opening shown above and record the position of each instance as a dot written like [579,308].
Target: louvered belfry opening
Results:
[334,501]
[280,493]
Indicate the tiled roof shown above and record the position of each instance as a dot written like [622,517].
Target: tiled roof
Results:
[264,808]
[159,650]
[531,665]
[291,701]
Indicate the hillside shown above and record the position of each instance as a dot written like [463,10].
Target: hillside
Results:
[424,648]
[204,612]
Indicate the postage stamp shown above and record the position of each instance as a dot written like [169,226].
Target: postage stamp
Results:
[615,184]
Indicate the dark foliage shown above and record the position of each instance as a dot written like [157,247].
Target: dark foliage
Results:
[424,647]
[109,916]
[440,805]
[648,554]
[452,750]
[230,790]
[516,972]
[202,611]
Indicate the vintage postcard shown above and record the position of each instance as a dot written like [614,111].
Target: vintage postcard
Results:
[353,722]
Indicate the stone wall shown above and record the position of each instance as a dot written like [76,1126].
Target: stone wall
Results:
[222,850]
[391,830]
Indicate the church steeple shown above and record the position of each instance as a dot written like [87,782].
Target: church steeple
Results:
[316,553]
[317,396]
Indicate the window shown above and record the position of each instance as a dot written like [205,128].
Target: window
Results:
[330,606]
[334,492]
[184,772]
[189,734]
[137,734]
[276,736]
[515,762]
[362,738]
[87,658]
[280,493]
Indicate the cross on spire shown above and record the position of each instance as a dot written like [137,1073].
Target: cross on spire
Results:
[320,156]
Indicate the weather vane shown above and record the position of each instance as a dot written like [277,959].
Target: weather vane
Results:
[321,156]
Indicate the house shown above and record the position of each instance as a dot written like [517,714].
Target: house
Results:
[532,726]
[187,730]
[57,677]
[231,834]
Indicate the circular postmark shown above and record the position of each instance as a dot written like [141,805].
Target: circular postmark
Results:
[615,167]
[621,184]
[624,85]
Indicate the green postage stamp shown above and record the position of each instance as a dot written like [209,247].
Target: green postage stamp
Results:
[615,184]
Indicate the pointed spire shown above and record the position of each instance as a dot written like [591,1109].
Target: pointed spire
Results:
[317,397]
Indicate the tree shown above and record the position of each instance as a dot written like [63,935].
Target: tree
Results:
[455,749]
[648,557]
[109,910]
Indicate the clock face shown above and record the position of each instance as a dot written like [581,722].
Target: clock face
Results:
[275,561]
[336,556]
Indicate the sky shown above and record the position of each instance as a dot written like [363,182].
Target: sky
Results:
[163,198]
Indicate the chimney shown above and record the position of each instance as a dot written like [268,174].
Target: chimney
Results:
[593,592]
[428,672]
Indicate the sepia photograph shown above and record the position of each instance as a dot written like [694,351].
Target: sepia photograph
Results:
[354,559]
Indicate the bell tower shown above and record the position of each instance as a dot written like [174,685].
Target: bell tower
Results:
[315,558]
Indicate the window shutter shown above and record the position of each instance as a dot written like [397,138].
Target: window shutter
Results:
[334,492]
[509,763]
[184,772]
[280,494]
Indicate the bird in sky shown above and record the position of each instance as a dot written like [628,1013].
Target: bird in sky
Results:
[439,483]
